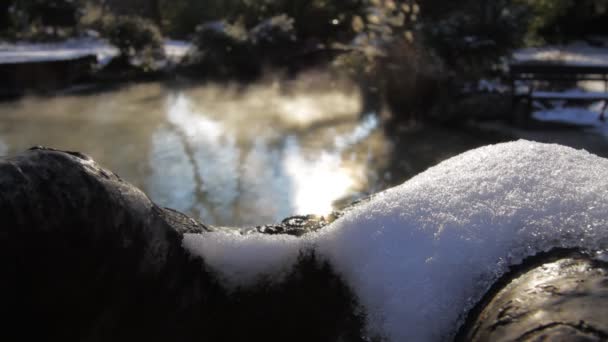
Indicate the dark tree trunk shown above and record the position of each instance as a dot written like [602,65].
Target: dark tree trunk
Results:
[156,13]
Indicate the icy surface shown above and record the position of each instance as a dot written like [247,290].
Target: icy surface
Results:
[419,256]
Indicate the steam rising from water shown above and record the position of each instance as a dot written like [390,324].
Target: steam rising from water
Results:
[3,148]
[262,163]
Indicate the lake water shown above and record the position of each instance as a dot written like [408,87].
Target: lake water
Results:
[232,155]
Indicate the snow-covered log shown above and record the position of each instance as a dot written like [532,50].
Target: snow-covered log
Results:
[86,256]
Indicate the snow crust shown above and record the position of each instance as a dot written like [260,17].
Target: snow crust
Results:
[420,255]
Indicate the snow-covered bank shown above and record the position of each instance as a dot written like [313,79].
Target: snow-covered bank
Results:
[576,53]
[75,48]
[60,51]
[420,255]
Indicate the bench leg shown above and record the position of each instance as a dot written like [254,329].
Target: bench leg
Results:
[530,107]
[603,113]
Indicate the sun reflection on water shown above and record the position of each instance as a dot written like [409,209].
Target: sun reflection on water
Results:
[207,163]
[232,155]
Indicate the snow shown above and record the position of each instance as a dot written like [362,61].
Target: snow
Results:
[177,49]
[580,116]
[584,116]
[491,86]
[573,94]
[44,52]
[576,53]
[23,52]
[420,255]
[258,255]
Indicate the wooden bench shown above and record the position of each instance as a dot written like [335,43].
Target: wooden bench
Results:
[535,74]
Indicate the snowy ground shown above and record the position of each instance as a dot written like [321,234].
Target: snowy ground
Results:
[576,53]
[75,48]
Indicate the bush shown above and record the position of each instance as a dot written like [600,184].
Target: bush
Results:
[546,13]
[472,37]
[56,13]
[274,40]
[136,38]
[325,20]
[180,18]
[274,31]
[40,20]
[557,21]
[224,50]
[220,35]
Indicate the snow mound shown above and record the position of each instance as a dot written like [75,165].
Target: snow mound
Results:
[420,255]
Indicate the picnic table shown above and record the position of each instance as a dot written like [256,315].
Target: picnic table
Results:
[541,81]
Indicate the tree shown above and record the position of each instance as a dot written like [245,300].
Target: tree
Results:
[474,35]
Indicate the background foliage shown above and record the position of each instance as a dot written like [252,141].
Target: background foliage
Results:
[395,49]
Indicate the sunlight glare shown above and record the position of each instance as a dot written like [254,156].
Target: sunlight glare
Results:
[317,182]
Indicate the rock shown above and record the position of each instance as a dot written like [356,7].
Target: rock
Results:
[86,256]
[560,296]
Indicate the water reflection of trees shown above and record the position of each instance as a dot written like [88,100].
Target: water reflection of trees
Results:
[201,167]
